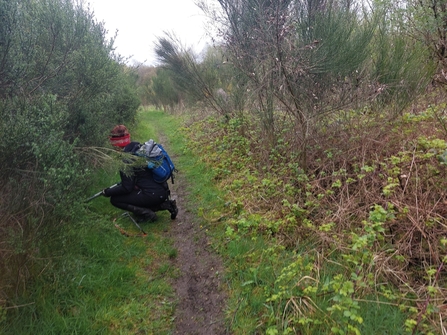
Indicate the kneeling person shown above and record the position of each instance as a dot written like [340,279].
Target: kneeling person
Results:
[138,192]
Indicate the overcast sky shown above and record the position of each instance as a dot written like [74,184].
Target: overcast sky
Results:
[140,22]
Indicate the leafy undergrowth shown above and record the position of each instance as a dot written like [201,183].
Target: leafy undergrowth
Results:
[353,244]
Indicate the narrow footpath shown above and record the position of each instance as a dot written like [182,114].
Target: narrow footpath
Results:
[199,290]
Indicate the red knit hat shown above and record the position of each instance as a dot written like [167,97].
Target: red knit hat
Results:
[120,136]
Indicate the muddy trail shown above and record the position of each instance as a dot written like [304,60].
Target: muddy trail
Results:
[199,287]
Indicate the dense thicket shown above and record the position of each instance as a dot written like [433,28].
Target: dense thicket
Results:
[61,89]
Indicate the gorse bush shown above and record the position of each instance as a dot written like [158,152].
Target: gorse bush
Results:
[56,47]
[61,89]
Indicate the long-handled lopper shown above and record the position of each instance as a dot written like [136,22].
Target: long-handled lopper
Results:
[100,193]
[133,220]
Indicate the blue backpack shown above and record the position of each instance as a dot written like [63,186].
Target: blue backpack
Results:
[158,161]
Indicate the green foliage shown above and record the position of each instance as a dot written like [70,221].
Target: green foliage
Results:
[338,240]
[183,68]
[228,83]
[164,91]
[56,47]
[397,64]
[424,22]
[205,82]
[61,88]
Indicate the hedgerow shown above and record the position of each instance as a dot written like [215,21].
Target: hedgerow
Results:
[61,89]
[371,205]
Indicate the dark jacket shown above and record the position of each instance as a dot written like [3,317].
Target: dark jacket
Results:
[140,179]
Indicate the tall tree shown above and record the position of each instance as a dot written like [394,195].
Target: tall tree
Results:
[299,56]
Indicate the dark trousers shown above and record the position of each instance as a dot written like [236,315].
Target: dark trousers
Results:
[139,199]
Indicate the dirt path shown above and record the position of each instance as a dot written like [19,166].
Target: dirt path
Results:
[199,287]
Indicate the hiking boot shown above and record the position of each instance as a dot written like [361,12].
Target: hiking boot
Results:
[145,218]
[143,214]
[174,209]
[171,206]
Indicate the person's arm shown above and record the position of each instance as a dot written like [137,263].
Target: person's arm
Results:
[126,187]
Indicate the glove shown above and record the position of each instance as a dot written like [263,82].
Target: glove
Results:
[104,192]
[150,165]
